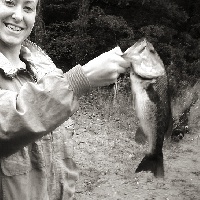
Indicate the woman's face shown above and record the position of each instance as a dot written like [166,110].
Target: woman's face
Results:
[17,18]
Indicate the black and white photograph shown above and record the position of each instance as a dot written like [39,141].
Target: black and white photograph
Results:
[99,100]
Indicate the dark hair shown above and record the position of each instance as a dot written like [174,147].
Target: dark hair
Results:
[38,7]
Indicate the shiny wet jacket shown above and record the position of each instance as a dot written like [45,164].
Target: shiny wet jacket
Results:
[35,159]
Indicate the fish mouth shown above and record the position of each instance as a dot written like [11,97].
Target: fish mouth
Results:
[145,78]
[141,75]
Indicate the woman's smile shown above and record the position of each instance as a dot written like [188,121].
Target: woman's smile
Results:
[14,28]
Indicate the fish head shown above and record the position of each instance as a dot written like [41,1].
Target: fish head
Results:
[144,59]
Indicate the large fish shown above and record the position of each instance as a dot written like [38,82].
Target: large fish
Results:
[149,86]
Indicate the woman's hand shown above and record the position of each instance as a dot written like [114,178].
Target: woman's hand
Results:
[105,69]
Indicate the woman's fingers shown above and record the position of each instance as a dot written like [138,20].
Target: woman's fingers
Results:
[117,50]
[117,58]
[106,68]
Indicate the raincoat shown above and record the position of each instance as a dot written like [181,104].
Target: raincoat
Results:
[35,159]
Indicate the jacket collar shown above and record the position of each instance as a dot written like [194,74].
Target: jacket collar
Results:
[39,61]
[7,67]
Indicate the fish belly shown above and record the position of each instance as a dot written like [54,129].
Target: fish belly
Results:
[146,112]
[150,105]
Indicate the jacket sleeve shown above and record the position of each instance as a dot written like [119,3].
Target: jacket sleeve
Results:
[37,109]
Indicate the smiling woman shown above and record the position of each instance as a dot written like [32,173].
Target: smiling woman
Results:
[17,19]
[36,98]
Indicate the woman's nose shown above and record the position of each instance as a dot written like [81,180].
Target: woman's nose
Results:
[18,14]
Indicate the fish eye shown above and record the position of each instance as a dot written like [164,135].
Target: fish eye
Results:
[152,51]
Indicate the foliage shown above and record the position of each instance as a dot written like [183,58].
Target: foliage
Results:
[76,31]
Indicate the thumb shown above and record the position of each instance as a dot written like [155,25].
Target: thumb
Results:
[117,50]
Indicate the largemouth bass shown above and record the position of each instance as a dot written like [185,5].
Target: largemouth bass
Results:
[149,86]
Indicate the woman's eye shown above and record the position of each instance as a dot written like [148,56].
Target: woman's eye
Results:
[28,9]
[9,3]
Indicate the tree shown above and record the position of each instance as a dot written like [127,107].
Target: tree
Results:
[76,31]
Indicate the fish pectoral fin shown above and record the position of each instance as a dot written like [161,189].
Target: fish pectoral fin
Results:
[152,163]
[140,137]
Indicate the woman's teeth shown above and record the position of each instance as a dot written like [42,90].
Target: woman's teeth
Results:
[14,28]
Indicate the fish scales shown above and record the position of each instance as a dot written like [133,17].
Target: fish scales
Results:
[149,86]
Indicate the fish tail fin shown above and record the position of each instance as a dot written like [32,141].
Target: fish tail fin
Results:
[152,163]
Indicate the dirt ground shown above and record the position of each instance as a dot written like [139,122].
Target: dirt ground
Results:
[107,157]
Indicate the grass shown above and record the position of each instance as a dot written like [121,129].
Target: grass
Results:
[116,108]
[107,154]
